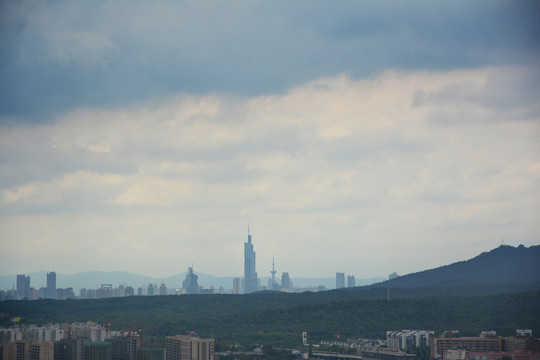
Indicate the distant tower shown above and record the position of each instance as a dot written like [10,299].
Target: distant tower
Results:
[340,280]
[351,281]
[190,284]
[251,283]
[273,285]
[51,285]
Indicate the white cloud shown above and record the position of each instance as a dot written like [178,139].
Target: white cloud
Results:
[347,174]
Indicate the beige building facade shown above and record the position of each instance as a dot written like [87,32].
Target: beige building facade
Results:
[186,347]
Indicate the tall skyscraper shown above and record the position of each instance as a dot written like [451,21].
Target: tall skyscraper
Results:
[351,281]
[340,280]
[251,283]
[23,286]
[51,285]
[190,284]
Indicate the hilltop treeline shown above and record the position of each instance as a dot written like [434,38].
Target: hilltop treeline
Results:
[279,318]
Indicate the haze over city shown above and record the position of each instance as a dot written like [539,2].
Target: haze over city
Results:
[359,137]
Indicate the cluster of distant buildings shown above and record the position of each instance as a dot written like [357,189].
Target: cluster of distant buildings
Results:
[92,341]
[189,286]
[404,344]
[26,292]
[340,280]
[249,283]
[487,346]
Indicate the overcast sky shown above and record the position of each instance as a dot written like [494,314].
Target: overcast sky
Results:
[359,137]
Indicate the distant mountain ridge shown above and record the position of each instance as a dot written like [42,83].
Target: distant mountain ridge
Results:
[502,265]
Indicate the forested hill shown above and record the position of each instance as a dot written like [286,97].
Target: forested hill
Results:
[503,265]
[280,318]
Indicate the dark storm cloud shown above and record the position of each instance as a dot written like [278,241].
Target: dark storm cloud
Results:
[57,56]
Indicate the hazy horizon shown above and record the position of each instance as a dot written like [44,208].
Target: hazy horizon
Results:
[355,137]
[90,280]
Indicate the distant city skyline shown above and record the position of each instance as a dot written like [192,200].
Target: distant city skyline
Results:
[363,137]
[175,284]
[127,282]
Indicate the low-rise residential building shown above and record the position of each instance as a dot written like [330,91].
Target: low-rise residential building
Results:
[187,347]
[473,355]
[407,340]
[440,345]
[375,353]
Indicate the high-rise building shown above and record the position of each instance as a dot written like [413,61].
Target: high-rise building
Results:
[150,354]
[162,289]
[42,351]
[69,349]
[351,281]
[286,284]
[23,286]
[251,283]
[150,290]
[186,347]
[97,350]
[22,348]
[190,284]
[125,348]
[237,286]
[340,280]
[8,351]
[51,285]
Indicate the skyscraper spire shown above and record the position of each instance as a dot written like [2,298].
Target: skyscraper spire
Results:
[250,274]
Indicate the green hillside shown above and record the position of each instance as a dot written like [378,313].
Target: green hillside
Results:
[279,319]
[505,264]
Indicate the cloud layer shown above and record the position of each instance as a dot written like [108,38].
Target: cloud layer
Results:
[60,55]
[402,171]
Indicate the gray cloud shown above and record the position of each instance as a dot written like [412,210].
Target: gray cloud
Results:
[56,56]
